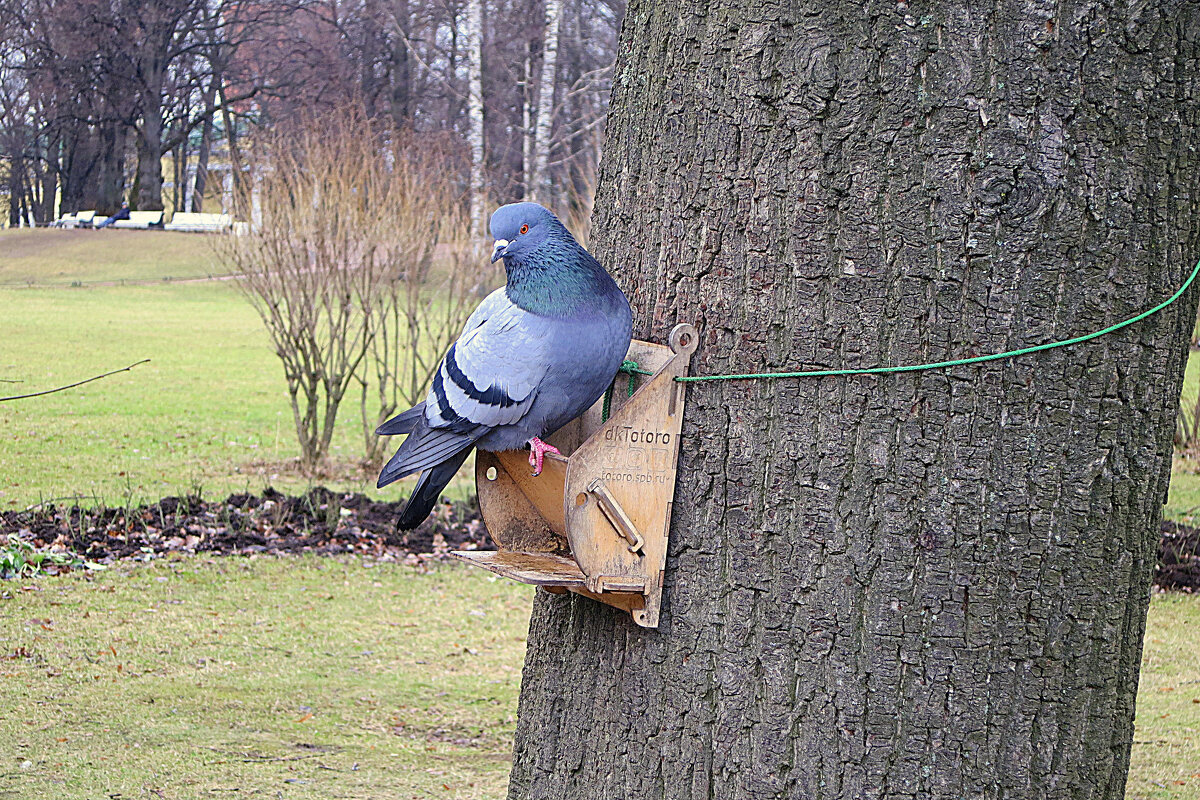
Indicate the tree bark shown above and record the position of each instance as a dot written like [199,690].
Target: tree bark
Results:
[150,145]
[537,181]
[928,584]
[110,180]
[400,104]
[201,184]
[473,45]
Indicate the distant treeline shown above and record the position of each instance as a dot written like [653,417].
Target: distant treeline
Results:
[98,97]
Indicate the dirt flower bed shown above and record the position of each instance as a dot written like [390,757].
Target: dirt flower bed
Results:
[1178,557]
[320,521]
[330,523]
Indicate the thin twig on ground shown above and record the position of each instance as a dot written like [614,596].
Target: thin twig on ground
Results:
[73,385]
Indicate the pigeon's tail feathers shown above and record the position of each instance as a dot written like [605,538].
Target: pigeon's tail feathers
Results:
[429,489]
[425,448]
[402,423]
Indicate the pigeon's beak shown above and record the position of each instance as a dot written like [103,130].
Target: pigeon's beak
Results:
[498,249]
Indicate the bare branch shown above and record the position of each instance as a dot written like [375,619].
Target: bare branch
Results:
[73,385]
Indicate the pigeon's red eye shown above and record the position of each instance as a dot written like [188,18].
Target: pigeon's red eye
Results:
[524,229]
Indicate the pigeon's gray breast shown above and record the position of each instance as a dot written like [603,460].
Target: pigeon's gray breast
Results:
[579,366]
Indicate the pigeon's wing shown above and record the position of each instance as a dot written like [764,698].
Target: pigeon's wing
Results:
[490,376]
[427,447]
[428,489]
[404,422]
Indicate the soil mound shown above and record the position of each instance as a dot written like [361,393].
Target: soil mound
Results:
[320,521]
[1178,557]
[326,522]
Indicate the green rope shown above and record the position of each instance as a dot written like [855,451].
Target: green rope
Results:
[935,365]
[634,370]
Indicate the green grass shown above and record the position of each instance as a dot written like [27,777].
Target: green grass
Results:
[295,678]
[209,406]
[1183,499]
[210,410]
[320,678]
[1165,764]
[63,257]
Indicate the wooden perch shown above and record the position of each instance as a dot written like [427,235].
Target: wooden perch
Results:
[595,521]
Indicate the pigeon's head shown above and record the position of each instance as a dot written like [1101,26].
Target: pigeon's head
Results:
[521,228]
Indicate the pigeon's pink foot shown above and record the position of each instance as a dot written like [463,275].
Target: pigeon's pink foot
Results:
[537,452]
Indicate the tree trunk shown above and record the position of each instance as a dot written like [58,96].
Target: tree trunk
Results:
[23,217]
[201,184]
[237,179]
[150,148]
[49,186]
[473,44]
[401,71]
[36,186]
[206,132]
[929,584]
[78,165]
[111,171]
[528,99]
[16,168]
[537,185]
[368,54]
[179,165]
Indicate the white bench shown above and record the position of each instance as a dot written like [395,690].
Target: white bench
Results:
[197,222]
[66,221]
[140,219]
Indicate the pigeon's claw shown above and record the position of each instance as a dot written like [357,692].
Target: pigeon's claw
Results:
[537,453]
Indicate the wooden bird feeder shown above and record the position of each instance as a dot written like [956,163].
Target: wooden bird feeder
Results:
[595,521]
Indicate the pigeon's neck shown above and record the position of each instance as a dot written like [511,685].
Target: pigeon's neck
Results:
[561,282]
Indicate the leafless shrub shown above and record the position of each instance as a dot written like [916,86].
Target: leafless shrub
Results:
[348,217]
[420,310]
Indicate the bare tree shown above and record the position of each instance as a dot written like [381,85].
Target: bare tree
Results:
[93,89]
[474,48]
[543,80]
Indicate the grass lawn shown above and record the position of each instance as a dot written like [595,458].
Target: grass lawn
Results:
[1166,745]
[319,678]
[63,257]
[294,678]
[209,406]
[1183,502]
[210,410]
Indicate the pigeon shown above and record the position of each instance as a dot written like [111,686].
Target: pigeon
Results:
[533,356]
